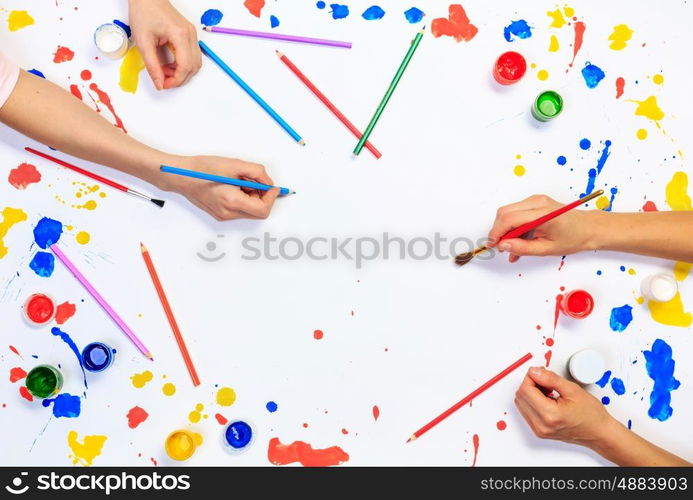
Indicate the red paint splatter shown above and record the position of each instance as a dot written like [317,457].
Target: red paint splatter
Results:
[649,206]
[303,453]
[136,416]
[106,101]
[85,75]
[64,312]
[305,425]
[549,342]
[16,374]
[254,6]
[579,34]
[344,431]
[154,462]
[557,311]
[14,350]
[620,85]
[376,412]
[24,392]
[475,440]
[74,89]
[318,334]
[547,357]
[24,175]
[221,419]
[456,25]
[62,54]
[538,327]
[501,425]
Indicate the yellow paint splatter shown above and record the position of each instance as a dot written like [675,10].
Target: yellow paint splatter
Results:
[226,396]
[168,389]
[681,270]
[518,157]
[619,38]
[543,75]
[89,205]
[86,451]
[631,271]
[198,438]
[519,170]
[658,79]
[139,380]
[10,217]
[677,192]
[130,70]
[602,202]
[640,300]
[649,109]
[195,415]
[557,19]
[19,19]
[670,313]
[569,11]
[102,194]
[553,44]
[641,134]
[533,65]
[83,237]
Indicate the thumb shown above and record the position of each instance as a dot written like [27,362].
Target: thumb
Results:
[551,380]
[521,246]
[150,56]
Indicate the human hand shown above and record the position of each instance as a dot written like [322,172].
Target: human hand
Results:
[566,234]
[156,23]
[221,201]
[575,416]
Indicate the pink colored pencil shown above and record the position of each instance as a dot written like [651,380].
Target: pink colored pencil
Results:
[102,302]
[278,36]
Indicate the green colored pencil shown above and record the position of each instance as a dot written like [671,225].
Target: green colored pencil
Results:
[390,91]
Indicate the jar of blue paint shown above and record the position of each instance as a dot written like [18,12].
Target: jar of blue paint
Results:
[97,356]
[238,436]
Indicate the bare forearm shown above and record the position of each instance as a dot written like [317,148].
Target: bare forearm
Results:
[655,234]
[47,113]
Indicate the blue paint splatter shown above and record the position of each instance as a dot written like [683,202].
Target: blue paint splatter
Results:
[520,29]
[621,318]
[320,5]
[660,368]
[618,386]
[65,405]
[622,268]
[561,160]
[125,27]
[37,73]
[585,144]
[211,17]
[47,232]
[373,13]
[271,406]
[605,379]
[599,273]
[274,21]
[71,344]
[606,400]
[592,75]
[43,264]
[594,172]
[614,192]
[339,11]
[630,424]
[414,15]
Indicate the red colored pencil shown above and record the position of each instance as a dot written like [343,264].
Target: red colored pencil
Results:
[469,397]
[327,102]
[96,177]
[169,314]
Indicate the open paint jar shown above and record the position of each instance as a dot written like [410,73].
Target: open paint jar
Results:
[111,40]
[44,381]
[586,366]
[510,67]
[97,356]
[238,436]
[547,106]
[577,304]
[39,309]
[660,287]
[181,444]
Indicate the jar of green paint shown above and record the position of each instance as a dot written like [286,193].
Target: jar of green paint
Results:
[547,106]
[44,381]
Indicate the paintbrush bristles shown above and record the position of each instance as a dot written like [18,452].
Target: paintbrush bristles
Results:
[158,202]
[464,258]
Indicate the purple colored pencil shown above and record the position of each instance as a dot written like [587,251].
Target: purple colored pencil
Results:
[278,36]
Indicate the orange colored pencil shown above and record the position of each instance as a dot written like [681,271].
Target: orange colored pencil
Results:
[169,314]
[340,116]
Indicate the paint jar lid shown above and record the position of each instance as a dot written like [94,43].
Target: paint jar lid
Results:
[586,366]
[44,381]
[39,309]
[660,287]
[547,106]
[510,67]
[181,444]
[111,40]
[238,436]
[97,356]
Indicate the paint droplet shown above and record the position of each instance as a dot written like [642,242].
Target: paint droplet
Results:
[585,144]
[658,79]
[86,451]
[606,400]
[168,389]
[305,454]
[519,170]
[557,19]
[274,21]
[194,416]
[139,380]
[622,33]
[85,75]
[373,13]
[543,75]
[501,425]
[221,419]
[414,15]
[82,237]
[561,160]
[62,54]
[19,19]
[553,44]
[271,406]
[549,342]
[318,334]
[631,271]
[376,412]
[136,416]
[64,312]
[17,374]
[211,17]
[676,193]
[602,203]
[620,86]
[641,134]
[226,396]
[339,11]
[254,6]
[475,441]
[24,392]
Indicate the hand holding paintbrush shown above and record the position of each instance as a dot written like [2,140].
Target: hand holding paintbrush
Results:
[510,225]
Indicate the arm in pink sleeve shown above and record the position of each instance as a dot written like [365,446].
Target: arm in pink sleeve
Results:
[9,73]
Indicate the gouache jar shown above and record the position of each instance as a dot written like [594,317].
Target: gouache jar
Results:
[111,40]
[547,106]
[509,68]
[181,444]
[44,381]
[238,436]
[660,287]
[577,304]
[586,366]
[97,356]
[39,309]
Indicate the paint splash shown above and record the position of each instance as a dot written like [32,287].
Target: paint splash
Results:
[676,193]
[649,206]
[501,425]
[136,416]
[649,109]
[553,44]
[517,29]
[620,86]
[221,419]
[592,75]
[557,19]
[619,38]
[17,374]
[47,232]
[254,6]
[73,347]
[85,452]
[105,99]
[211,17]
[682,270]
[24,392]
[64,405]
[670,313]
[660,367]
[195,415]
[456,25]
[62,54]
[274,21]
[43,264]
[621,318]
[305,454]
[19,19]
[130,70]
[168,389]
[604,380]
[10,217]
[339,11]
[226,396]
[414,15]
[594,172]
[376,412]
[64,312]
[373,13]
[271,406]
[475,441]
[618,386]
[24,175]
[580,28]
[318,334]
[139,380]
[82,237]
[14,350]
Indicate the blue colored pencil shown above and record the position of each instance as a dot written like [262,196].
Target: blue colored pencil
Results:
[210,53]
[224,180]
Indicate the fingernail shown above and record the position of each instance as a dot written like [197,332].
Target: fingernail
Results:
[536,371]
[504,247]
[158,84]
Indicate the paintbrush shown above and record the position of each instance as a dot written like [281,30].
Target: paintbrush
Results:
[464,258]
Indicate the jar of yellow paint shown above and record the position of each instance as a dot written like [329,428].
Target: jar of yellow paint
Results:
[181,444]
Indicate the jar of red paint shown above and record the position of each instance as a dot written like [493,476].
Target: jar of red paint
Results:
[577,304]
[510,67]
[39,309]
